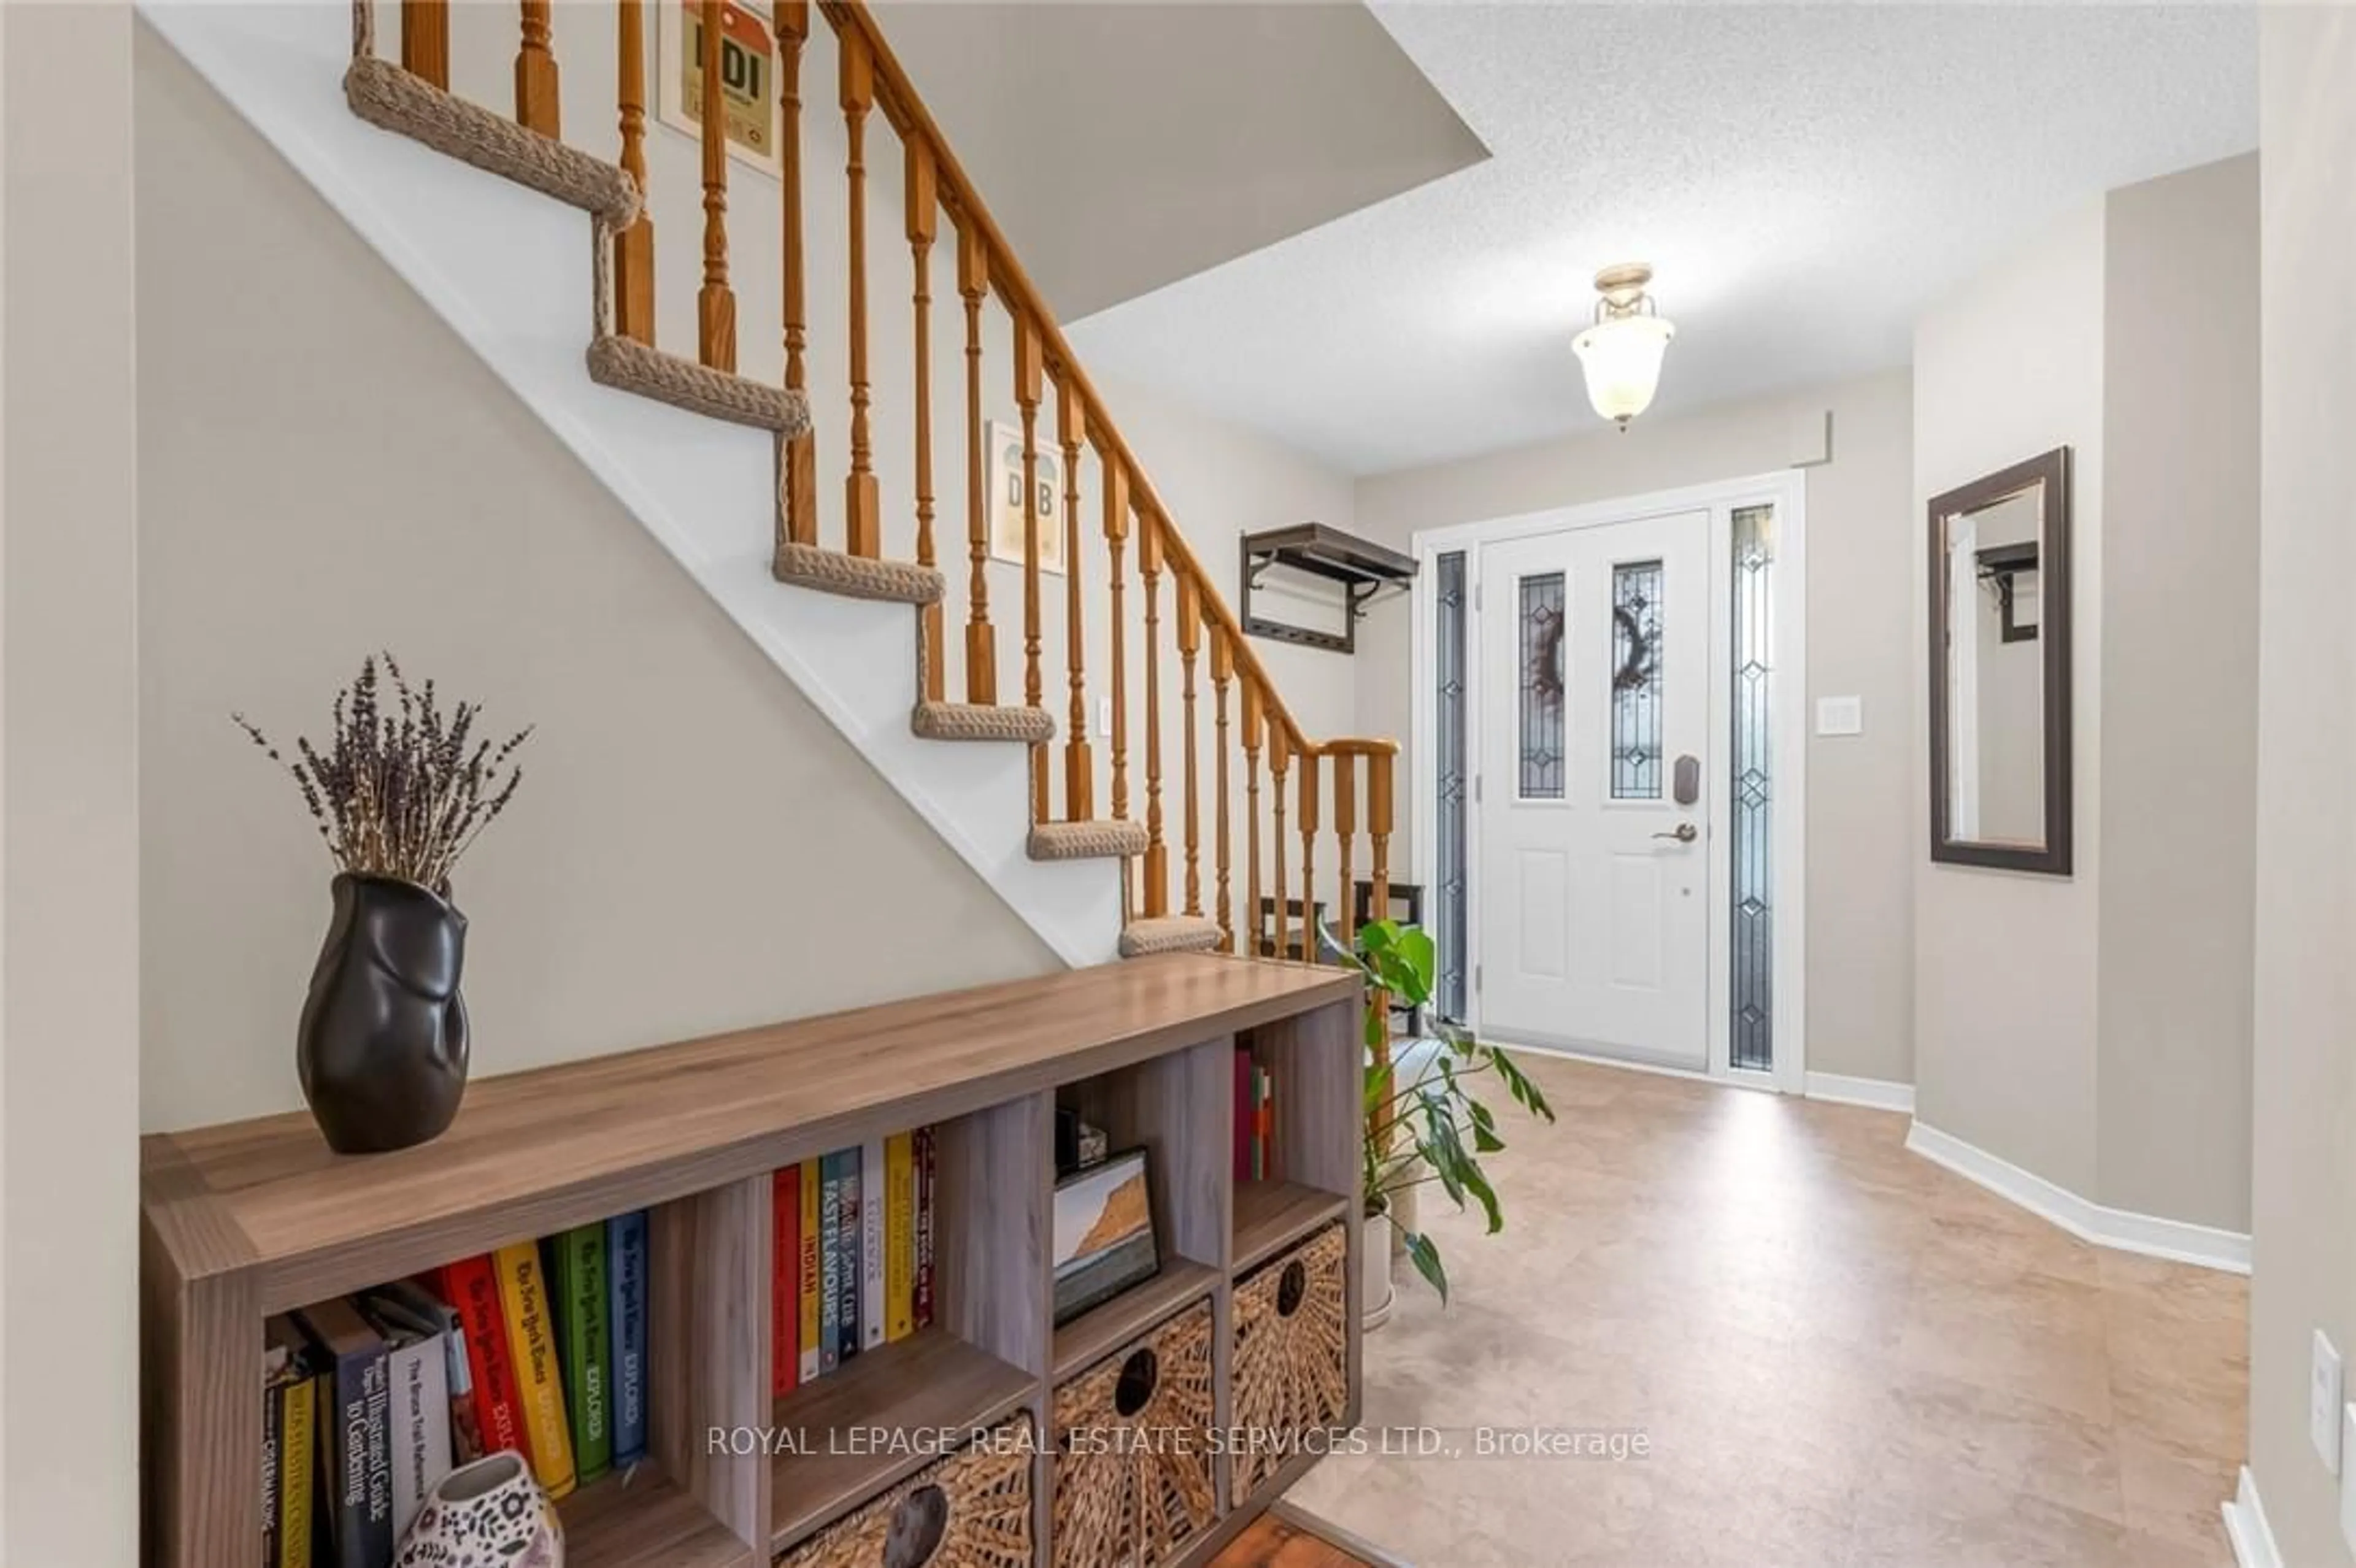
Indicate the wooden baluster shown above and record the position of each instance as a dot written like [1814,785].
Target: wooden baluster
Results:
[633,247]
[1345,829]
[1280,753]
[1378,832]
[425,40]
[801,455]
[1307,824]
[1253,721]
[980,641]
[715,304]
[1030,385]
[1116,528]
[535,71]
[861,516]
[1157,853]
[1190,644]
[1223,671]
[1079,767]
[924,218]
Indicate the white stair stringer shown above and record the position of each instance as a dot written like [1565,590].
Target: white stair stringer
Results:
[510,272]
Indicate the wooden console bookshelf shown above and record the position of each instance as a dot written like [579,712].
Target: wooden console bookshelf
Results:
[247,1219]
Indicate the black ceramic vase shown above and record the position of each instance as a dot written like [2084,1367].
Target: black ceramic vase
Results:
[382,1046]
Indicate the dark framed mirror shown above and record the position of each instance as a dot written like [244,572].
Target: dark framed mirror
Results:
[2000,735]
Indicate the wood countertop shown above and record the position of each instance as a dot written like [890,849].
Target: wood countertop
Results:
[533,1153]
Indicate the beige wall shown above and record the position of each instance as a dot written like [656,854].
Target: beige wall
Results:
[2004,968]
[1860,600]
[2094,1029]
[2180,671]
[69,826]
[694,845]
[2303,1126]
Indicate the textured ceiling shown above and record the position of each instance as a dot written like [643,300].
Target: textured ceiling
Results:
[1805,180]
[1124,146]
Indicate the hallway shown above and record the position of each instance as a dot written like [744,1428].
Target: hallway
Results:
[1842,1356]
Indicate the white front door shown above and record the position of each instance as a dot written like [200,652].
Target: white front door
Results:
[1595,792]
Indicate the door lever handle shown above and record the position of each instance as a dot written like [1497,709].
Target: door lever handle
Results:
[1686,832]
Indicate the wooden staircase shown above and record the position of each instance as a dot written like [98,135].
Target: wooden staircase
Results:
[1218,799]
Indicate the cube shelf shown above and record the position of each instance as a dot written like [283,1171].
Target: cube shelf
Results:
[245,1219]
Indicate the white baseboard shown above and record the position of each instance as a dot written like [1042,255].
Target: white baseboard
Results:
[2175,1240]
[1878,1093]
[2247,1527]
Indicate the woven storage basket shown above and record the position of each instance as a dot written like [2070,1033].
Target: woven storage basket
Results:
[971,1509]
[1133,1480]
[1292,1354]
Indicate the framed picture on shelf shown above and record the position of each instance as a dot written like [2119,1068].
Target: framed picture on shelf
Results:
[1006,499]
[748,79]
[1104,1234]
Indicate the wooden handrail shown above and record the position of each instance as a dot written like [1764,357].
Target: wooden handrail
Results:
[903,107]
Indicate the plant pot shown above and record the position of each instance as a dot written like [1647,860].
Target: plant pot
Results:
[381,1050]
[489,1514]
[1376,1293]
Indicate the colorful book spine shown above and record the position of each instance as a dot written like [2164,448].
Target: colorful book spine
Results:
[899,1236]
[419,1430]
[1259,1126]
[625,1268]
[872,1217]
[419,1301]
[472,1289]
[539,1385]
[1243,1124]
[274,1464]
[298,1401]
[353,1359]
[785,1280]
[846,1249]
[585,1348]
[807,1271]
[1267,1160]
[829,1276]
[926,1163]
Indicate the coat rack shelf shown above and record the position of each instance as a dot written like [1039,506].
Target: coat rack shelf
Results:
[1364,570]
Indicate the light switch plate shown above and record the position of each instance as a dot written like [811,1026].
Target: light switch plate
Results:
[1840,715]
[1104,716]
[2323,1402]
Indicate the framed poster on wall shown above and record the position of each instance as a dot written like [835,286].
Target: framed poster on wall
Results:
[1006,499]
[748,79]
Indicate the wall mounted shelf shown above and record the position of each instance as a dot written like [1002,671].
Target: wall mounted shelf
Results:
[1363,569]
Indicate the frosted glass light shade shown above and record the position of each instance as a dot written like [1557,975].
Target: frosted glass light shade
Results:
[1621,357]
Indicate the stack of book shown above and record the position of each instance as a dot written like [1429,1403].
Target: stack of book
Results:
[369,1400]
[1255,1149]
[853,1264]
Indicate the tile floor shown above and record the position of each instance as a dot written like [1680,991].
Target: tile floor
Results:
[1842,1356]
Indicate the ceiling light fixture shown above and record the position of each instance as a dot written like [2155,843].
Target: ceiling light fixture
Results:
[1621,352]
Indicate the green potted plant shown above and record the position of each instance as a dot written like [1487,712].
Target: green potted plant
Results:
[1424,1122]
